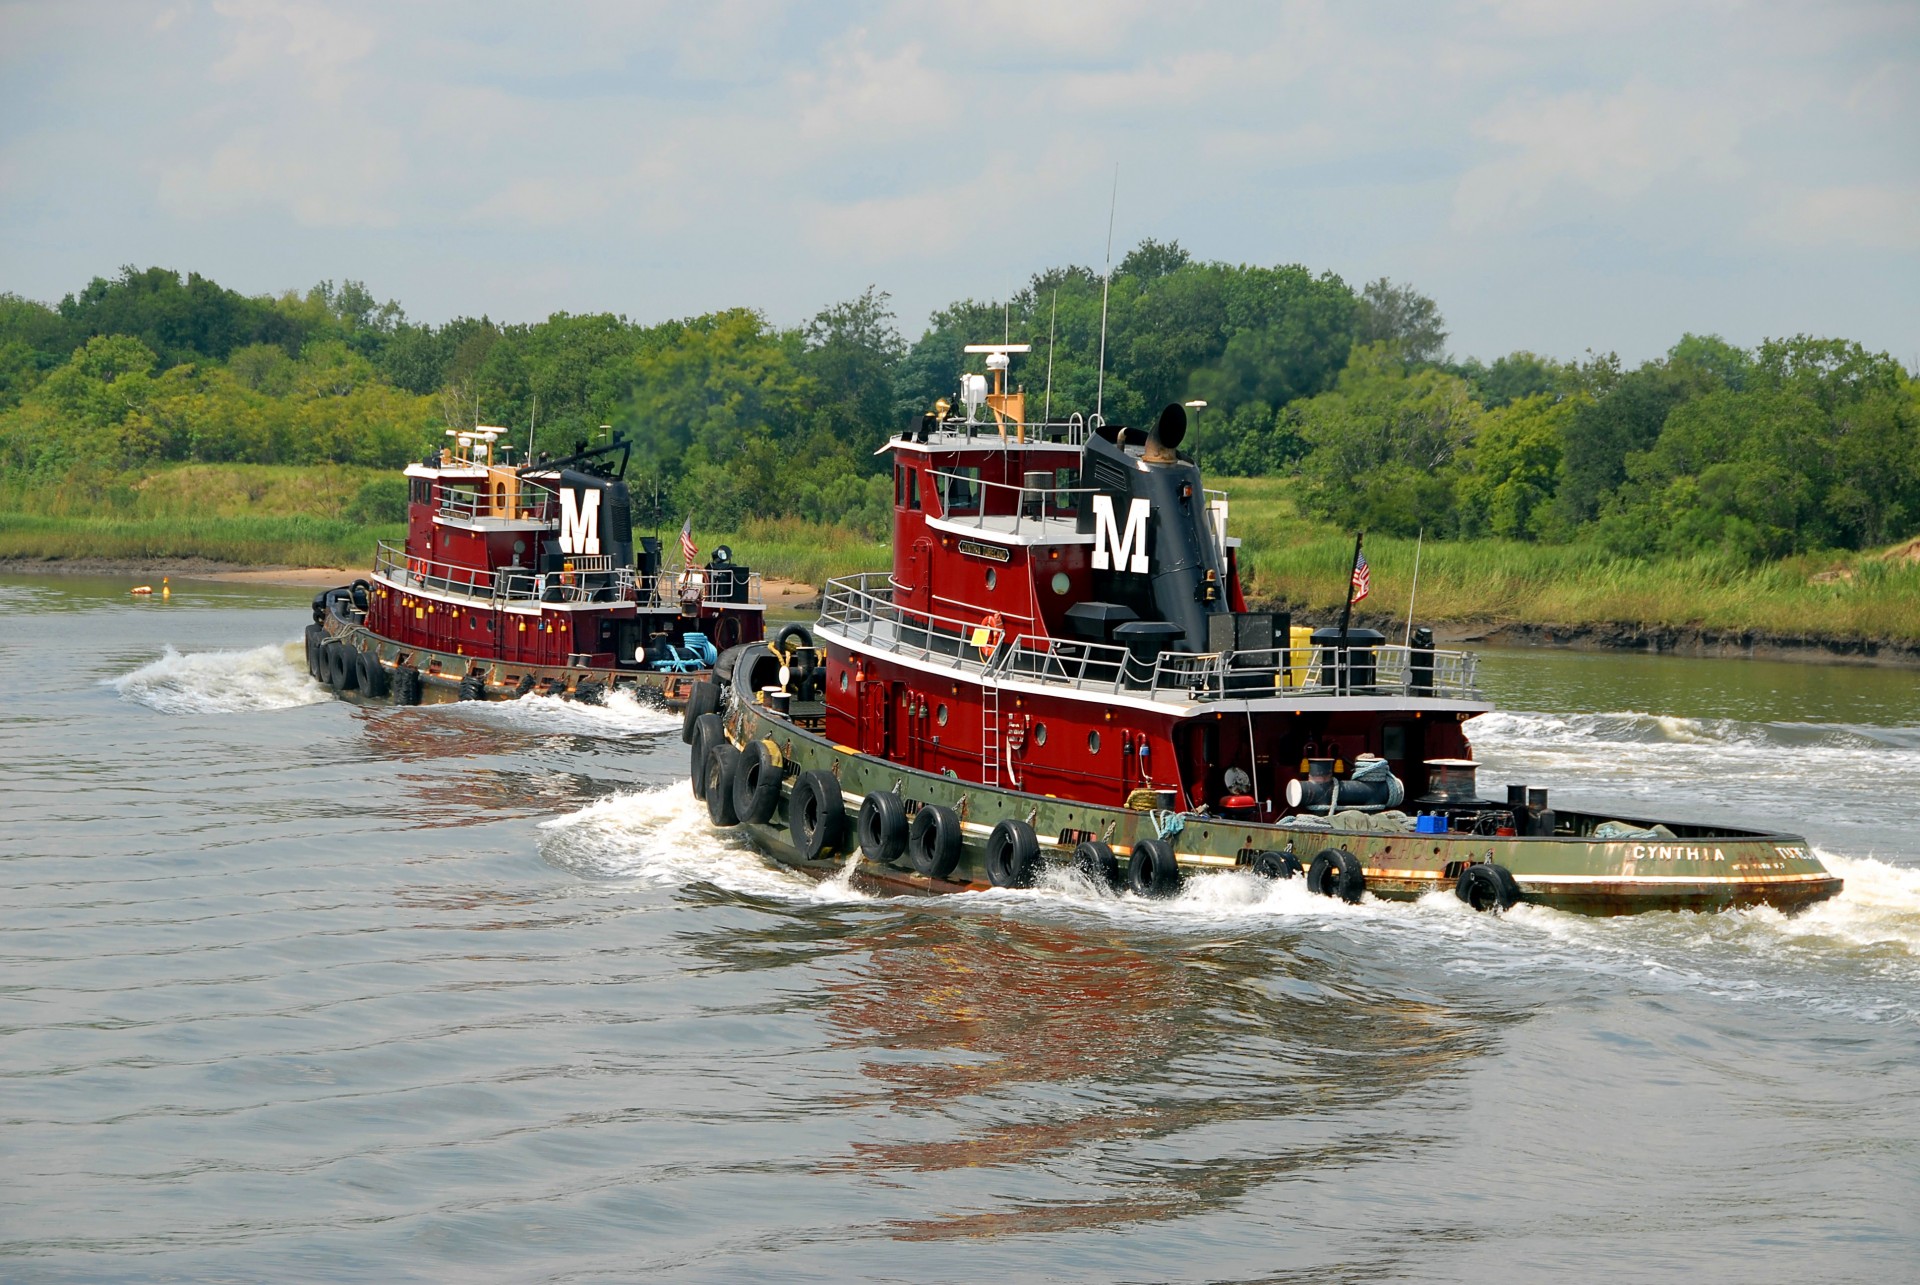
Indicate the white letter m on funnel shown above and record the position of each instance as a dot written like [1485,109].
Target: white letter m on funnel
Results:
[1128,549]
[579,521]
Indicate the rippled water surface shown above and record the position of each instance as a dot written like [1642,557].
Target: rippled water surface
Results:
[295,989]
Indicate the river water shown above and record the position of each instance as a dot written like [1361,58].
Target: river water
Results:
[299,990]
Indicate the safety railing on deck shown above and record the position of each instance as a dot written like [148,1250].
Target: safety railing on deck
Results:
[1013,505]
[862,608]
[518,500]
[592,579]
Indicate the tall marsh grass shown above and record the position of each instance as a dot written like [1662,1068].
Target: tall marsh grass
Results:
[258,514]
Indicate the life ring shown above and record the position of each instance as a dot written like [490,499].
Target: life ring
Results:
[987,636]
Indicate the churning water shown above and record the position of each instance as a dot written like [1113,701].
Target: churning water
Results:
[296,989]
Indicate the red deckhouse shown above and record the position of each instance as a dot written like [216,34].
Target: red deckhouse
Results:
[1065,617]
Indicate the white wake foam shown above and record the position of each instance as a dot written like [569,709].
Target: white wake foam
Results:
[222,682]
[621,716]
[663,836]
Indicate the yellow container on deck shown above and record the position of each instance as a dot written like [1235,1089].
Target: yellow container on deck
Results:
[1299,655]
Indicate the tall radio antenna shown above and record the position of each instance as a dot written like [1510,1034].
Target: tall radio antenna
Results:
[1046,416]
[1106,282]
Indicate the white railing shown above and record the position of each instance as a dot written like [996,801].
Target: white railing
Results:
[702,587]
[593,579]
[863,609]
[523,501]
[1021,503]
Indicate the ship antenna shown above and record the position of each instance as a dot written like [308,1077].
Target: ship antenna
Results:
[1106,282]
[530,418]
[1046,416]
[1414,592]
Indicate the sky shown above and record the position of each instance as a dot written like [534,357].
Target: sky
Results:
[1558,176]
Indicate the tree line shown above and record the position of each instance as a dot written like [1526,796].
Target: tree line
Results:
[1801,443]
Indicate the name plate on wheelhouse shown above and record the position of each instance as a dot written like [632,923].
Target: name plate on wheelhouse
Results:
[991,552]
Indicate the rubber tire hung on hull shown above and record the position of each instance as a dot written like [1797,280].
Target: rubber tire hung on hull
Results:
[1096,861]
[1335,872]
[703,699]
[756,783]
[933,841]
[817,814]
[1152,870]
[723,761]
[1486,885]
[1013,855]
[883,827]
[708,731]
[1269,864]
[373,676]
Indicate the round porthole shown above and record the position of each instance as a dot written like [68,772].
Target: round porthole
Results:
[1060,582]
[1039,733]
[1093,742]
[941,714]
[992,578]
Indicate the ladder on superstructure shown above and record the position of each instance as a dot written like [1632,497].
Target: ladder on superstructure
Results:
[990,723]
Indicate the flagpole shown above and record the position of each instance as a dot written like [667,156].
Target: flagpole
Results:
[1346,613]
[1416,585]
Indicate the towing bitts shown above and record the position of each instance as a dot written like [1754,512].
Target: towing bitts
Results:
[517,580]
[1061,667]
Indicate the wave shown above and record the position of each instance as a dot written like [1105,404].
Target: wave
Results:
[222,682]
[621,716]
[1635,728]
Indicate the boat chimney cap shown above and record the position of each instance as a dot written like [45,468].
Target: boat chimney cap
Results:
[1168,432]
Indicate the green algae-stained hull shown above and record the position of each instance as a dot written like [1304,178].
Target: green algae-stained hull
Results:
[1583,875]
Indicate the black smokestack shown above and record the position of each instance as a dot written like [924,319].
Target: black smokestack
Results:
[1183,581]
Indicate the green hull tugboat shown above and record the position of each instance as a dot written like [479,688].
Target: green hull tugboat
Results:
[1061,669]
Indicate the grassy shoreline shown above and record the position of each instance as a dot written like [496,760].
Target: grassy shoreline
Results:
[1839,601]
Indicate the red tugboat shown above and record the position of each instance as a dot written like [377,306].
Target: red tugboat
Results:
[1061,668]
[529,579]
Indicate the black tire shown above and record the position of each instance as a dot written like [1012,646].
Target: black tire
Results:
[342,675]
[527,684]
[1013,855]
[1269,864]
[757,667]
[723,665]
[783,639]
[756,784]
[373,676]
[473,687]
[933,841]
[883,827]
[1152,871]
[1335,872]
[406,686]
[591,693]
[723,763]
[707,733]
[1096,861]
[316,639]
[817,815]
[703,699]
[1487,886]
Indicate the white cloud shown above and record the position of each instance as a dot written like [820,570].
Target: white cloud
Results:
[1612,146]
[1874,216]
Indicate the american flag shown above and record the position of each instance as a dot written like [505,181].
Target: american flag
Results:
[1361,580]
[689,551]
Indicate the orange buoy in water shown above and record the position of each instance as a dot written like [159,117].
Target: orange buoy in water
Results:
[141,589]
[165,590]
